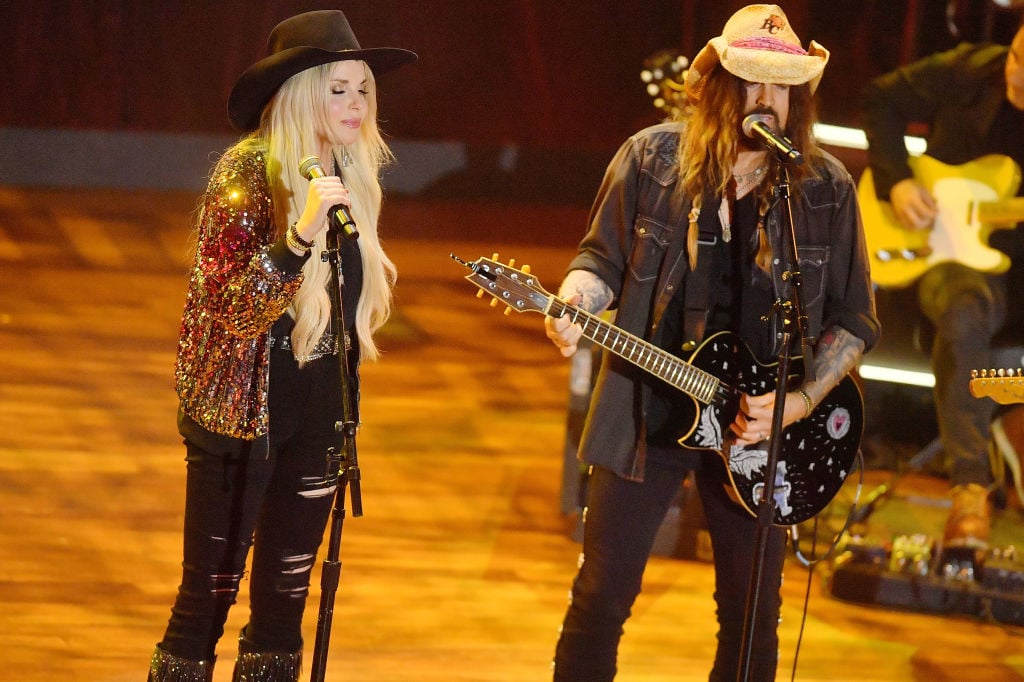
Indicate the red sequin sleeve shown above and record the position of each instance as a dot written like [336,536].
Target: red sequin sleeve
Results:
[236,292]
[244,289]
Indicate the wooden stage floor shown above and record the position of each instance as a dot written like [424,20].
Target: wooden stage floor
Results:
[460,567]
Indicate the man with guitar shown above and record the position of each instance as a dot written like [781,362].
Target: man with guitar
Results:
[972,100]
[687,241]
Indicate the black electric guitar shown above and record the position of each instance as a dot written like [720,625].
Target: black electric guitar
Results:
[817,452]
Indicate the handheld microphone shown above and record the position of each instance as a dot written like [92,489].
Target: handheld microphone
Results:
[756,126]
[341,219]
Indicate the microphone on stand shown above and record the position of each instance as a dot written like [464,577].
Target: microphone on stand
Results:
[340,217]
[756,126]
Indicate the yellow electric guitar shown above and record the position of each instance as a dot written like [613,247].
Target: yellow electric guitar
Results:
[974,199]
[1005,386]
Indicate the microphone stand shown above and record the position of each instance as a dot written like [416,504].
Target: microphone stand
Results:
[792,315]
[350,476]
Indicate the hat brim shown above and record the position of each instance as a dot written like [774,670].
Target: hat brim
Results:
[259,82]
[756,65]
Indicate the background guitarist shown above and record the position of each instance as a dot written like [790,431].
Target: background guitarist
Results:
[972,100]
[670,187]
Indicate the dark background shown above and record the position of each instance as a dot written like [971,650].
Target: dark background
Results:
[547,74]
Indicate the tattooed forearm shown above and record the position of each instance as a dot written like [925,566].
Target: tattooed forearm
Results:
[838,352]
[597,295]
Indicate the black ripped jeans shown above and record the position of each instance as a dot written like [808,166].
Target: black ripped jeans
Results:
[277,502]
[622,519]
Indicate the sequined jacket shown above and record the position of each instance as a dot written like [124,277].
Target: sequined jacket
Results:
[241,281]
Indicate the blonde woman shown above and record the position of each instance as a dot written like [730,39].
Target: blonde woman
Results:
[258,362]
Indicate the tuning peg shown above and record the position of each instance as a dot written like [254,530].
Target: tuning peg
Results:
[494,303]
[508,311]
[526,269]
[974,374]
[494,256]
[479,293]
[511,262]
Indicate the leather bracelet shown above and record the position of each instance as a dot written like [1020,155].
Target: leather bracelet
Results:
[808,403]
[292,244]
[293,239]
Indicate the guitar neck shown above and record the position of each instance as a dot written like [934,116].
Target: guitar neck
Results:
[696,383]
[1007,212]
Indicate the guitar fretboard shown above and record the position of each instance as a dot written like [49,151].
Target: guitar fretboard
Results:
[696,383]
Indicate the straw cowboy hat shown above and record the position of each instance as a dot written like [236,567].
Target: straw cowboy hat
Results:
[296,44]
[758,45]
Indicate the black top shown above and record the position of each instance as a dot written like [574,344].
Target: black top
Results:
[740,293]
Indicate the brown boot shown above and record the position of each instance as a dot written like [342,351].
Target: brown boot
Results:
[969,523]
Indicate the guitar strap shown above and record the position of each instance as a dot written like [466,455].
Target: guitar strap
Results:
[697,296]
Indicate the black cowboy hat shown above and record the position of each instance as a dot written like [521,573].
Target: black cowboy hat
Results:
[296,44]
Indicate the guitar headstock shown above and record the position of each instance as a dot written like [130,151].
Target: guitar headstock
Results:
[663,75]
[1005,386]
[517,289]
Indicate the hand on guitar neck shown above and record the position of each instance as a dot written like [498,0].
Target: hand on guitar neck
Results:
[561,330]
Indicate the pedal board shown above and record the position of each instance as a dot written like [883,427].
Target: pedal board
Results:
[957,581]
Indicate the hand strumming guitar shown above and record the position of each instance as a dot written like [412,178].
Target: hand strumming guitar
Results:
[913,204]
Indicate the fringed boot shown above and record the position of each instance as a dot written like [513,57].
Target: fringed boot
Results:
[265,666]
[165,667]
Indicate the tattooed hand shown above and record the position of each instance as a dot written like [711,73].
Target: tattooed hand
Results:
[586,291]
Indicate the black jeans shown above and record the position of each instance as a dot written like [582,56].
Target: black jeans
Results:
[622,519]
[277,503]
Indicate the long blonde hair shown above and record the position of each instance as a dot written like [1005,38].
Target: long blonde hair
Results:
[291,127]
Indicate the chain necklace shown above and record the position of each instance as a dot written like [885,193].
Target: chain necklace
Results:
[742,183]
[750,178]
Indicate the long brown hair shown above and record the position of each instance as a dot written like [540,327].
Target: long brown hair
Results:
[709,146]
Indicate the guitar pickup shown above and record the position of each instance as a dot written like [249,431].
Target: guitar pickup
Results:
[889,255]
